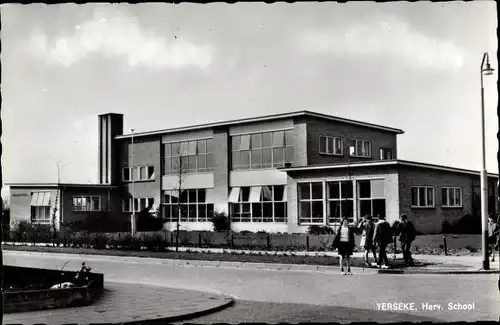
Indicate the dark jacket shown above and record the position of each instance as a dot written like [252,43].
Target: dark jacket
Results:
[383,233]
[336,239]
[368,228]
[407,232]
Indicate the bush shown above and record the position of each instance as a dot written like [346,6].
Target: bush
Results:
[98,241]
[154,242]
[468,224]
[246,232]
[220,222]
[130,242]
[446,227]
[319,230]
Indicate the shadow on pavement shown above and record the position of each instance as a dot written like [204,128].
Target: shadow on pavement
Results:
[267,312]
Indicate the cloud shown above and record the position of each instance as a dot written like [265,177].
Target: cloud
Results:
[120,35]
[384,35]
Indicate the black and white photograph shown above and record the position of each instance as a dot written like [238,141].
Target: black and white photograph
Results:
[250,162]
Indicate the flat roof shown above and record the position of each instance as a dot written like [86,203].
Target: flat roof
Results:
[262,119]
[55,185]
[384,163]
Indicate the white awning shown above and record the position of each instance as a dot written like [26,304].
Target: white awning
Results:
[34,199]
[209,196]
[285,193]
[255,194]
[39,199]
[234,195]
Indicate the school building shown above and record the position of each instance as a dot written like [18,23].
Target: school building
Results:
[277,173]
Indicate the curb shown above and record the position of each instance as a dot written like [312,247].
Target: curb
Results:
[443,272]
[187,316]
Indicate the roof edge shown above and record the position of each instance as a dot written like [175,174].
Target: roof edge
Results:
[259,119]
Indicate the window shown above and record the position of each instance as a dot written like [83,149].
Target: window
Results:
[451,197]
[141,173]
[385,153]
[196,205]
[360,148]
[371,198]
[86,203]
[330,145]
[195,156]
[140,204]
[262,150]
[258,204]
[40,215]
[310,203]
[340,201]
[422,196]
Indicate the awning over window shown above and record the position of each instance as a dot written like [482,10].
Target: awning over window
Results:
[255,194]
[39,199]
[234,195]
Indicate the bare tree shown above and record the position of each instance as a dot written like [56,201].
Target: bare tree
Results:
[56,202]
[181,171]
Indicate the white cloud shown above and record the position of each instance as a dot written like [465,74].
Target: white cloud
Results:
[120,35]
[385,36]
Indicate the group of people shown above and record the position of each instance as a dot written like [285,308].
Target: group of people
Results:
[374,236]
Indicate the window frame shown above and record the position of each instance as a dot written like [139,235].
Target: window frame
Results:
[137,202]
[35,218]
[310,200]
[249,164]
[418,187]
[448,189]
[371,198]
[91,200]
[207,155]
[260,202]
[186,206]
[369,156]
[390,150]
[327,137]
[340,199]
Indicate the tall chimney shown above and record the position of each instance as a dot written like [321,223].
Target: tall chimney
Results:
[110,126]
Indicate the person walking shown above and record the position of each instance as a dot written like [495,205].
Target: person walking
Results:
[383,237]
[407,235]
[493,231]
[368,227]
[344,243]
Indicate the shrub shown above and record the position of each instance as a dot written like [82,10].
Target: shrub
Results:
[220,222]
[154,242]
[468,224]
[246,232]
[98,241]
[319,230]
[471,248]
[446,227]
[130,242]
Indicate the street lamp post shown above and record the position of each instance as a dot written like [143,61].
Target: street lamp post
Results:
[485,70]
[132,175]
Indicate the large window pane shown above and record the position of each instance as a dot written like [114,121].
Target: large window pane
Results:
[256,158]
[210,146]
[192,196]
[289,138]
[256,141]
[245,142]
[192,160]
[278,157]
[330,145]
[317,211]
[267,211]
[338,146]
[210,211]
[378,188]
[202,213]
[430,196]
[236,159]
[305,211]
[334,212]
[167,149]
[210,161]
[422,196]
[267,140]
[379,208]
[235,142]
[278,138]
[267,193]
[175,149]
[289,154]
[202,163]
[245,194]
[304,191]
[333,190]
[280,212]
[184,148]
[278,192]
[348,209]
[365,208]
[184,196]
[317,190]
[347,190]
[364,189]
[202,195]
[245,159]
[202,146]
[192,148]
[192,212]
[266,158]
[414,196]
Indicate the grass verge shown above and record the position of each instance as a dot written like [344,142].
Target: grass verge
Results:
[222,257]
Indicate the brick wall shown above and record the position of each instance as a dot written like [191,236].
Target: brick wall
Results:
[67,202]
[429,220]
[316,127]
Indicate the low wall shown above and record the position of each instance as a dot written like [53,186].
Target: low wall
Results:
[46,298]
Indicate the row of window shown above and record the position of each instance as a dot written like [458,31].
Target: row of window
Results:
[139,204]
[339,200]
[138,173]
[86,203]
[258,204]
[424,197]
[329,145]
[188,156]
[262,150]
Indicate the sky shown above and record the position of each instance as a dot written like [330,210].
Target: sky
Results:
[413,66]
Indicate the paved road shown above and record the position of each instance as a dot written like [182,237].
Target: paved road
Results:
[273,296]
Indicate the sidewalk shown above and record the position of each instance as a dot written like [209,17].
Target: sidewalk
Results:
[124,303]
